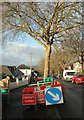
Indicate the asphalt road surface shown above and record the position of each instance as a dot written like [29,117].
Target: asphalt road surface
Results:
[72,108]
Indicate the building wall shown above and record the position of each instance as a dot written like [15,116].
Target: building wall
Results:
[26,71]
[14,85]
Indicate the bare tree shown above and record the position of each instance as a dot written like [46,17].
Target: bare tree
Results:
[41,65]
[55,66]
[61,58]
[75,44]
[42,21]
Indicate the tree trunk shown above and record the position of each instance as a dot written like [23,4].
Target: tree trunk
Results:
[81,64]
[58,71]
[64,67]
[47,61]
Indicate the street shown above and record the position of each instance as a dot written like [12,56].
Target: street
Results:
[72,108]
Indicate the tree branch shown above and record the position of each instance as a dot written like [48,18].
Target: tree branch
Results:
[69,27]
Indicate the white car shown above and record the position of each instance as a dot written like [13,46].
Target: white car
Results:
[68,74]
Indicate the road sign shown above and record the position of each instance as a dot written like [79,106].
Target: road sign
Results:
[40,95]
[29,99]
[53,95]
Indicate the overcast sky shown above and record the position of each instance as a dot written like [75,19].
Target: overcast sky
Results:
[19,53]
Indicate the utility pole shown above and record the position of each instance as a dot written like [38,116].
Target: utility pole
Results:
[31,62]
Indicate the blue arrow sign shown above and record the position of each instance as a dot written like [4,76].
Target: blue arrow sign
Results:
[53,95]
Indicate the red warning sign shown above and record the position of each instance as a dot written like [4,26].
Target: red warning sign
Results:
[40,96]
[29,99]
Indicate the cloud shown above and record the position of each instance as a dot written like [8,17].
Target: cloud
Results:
[16,54]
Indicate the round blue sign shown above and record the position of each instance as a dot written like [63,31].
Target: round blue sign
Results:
[53,95]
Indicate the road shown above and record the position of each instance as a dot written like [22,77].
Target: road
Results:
[72,108]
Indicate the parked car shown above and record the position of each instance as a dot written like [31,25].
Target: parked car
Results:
[68,74]
[78,79]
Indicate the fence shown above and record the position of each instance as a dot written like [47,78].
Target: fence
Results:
[14,85]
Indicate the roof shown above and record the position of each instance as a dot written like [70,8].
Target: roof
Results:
[22,66]
[6,70]
[15,71]
[12,70]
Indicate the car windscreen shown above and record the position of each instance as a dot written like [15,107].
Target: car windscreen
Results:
[80,75]
[70,73]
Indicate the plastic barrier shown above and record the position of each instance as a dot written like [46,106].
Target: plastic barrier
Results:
[35,94]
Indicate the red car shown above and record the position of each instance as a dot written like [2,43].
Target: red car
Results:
[78,79]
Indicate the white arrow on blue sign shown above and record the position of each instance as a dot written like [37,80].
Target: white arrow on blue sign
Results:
[53,95]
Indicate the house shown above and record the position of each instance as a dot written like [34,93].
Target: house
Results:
[26,70]
[12,71]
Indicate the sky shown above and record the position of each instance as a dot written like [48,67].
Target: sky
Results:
[18,52]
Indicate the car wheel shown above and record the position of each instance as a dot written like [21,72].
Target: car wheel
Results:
[76,82]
